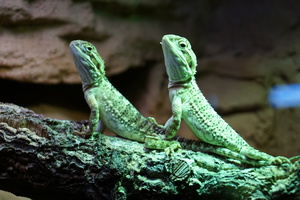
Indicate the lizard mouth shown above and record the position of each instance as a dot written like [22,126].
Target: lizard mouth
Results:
[76,51]
[78,55]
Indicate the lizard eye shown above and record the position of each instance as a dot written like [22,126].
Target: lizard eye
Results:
[182,44]
[89,48]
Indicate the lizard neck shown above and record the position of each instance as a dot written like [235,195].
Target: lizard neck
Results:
[96,83]
[181,84]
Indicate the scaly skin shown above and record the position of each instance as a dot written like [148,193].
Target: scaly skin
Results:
[109,108]
[189,103]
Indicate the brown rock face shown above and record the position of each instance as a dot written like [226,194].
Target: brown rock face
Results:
[243,48]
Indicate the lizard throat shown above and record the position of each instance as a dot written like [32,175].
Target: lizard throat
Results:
[86,86]
[180,84]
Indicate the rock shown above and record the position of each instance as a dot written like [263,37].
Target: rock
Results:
[258,129]
[286,132]
[249,36]
[35,38]
[227,95]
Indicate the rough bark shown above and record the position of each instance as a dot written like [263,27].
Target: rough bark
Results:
[44,153]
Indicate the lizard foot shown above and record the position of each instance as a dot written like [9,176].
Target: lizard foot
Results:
[84,131]
[279,160]
[95,136]
[153,142]
[174,145]
[87,132]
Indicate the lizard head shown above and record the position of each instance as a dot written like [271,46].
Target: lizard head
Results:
[87,61]
[180,60]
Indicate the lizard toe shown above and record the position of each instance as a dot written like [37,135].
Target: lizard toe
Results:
[172,148]
[279,160]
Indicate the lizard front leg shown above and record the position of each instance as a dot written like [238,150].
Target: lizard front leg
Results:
[173,124]
[100,127]
[94,119]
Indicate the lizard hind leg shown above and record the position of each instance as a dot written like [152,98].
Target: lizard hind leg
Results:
[261,156]
[236,157]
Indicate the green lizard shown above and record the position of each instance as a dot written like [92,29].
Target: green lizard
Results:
[109,108]
[189,103]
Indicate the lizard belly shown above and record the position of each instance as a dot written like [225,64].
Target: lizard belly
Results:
[206,124]
[119,115]
[122,125]
[198,126]
[115,124]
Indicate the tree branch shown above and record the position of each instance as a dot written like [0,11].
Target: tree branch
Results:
[45,153]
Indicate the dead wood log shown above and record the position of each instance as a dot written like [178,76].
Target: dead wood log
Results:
[44,153]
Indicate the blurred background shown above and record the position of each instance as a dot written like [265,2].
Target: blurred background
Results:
[244,48]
